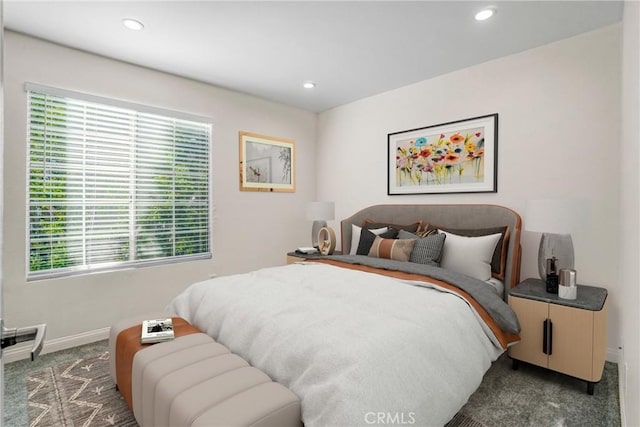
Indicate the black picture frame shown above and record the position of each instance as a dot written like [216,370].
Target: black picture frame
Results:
[454,157]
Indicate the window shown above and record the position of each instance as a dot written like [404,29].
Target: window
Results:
[113,184]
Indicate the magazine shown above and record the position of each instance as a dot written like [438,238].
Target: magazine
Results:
[157,330]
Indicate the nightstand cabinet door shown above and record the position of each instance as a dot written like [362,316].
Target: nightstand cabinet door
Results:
[579,341]
[572,341]
[531,315]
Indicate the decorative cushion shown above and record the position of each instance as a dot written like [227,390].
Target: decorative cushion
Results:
[411,228]
[499,257]
[355,237]
[397,249]
[427,250]
[367,238]
[469,255]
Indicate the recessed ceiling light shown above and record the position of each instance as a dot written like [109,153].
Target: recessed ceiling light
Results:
[132,24]
[308,85]
[486,13]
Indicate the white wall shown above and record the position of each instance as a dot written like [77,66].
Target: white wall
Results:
[1,202]
[630,211]
[559,135]
[250,229]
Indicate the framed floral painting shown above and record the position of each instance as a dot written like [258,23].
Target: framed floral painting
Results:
[454,157]
[266,163]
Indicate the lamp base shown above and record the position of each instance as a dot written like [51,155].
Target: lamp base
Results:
[315,229]
[558,245]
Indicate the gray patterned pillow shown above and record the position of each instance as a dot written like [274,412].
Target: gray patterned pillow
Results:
[427,250]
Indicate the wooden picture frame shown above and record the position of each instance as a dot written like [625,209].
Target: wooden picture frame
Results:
[266,163]
[453,157]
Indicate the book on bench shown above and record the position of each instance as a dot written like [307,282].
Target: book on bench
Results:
[157,330]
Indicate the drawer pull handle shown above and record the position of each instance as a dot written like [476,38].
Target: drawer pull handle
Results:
[547,337]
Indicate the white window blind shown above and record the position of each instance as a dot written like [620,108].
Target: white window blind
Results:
[112,185]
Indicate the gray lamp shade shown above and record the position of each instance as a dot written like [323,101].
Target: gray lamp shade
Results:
[319,213]
[555,245]
[556,219]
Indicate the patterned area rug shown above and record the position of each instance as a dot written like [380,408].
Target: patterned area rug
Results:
[81,393]
[461,420]
[78,393]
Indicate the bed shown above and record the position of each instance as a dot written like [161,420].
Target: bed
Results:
[375,338]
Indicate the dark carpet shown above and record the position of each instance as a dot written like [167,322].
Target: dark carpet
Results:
[534,396]
[74,388]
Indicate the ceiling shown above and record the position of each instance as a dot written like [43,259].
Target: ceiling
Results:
[351,50]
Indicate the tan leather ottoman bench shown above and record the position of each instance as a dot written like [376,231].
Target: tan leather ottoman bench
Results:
[194,381]
[124,343]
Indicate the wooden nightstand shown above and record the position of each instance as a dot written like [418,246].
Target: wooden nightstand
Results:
[567,336]
[297,257]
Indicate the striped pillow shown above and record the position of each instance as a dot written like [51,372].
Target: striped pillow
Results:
[367,238]
[397,249]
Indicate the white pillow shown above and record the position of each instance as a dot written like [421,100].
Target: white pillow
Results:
[469,255]
[355,236]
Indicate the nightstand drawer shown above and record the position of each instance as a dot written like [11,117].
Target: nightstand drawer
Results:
[292,258]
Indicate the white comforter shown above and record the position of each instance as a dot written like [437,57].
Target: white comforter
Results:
[353,346]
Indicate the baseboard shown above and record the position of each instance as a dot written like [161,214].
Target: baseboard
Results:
[614,355]
[20,352]
[622,391]
[617,356]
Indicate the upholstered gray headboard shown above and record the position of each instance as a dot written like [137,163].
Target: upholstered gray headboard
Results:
[448,216]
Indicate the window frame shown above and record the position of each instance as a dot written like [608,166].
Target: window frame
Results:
[114,265]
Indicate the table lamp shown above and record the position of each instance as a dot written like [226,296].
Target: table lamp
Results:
[319,213]
[556,219]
